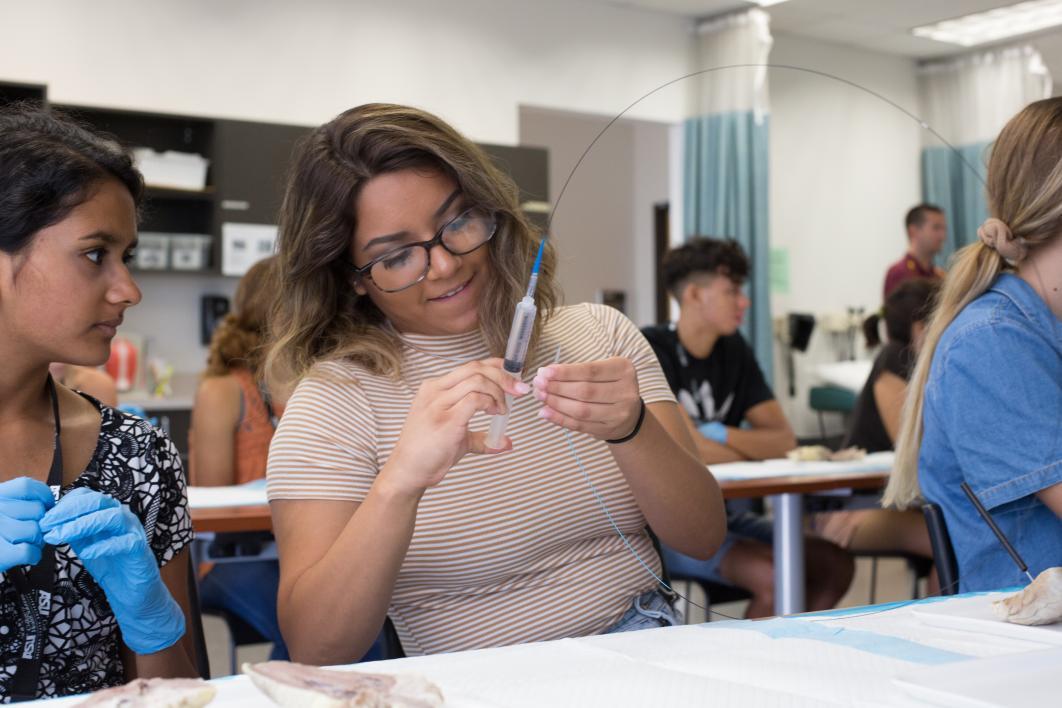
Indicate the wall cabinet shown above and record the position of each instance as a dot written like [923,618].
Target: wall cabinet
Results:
[248,168]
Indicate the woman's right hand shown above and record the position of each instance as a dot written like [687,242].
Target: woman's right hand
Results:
[23,503]
[435,435]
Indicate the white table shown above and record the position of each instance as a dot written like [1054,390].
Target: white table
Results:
[862,658]
[850,375]
[785,482]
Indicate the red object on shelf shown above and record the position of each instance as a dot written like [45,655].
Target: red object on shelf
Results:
[123,362]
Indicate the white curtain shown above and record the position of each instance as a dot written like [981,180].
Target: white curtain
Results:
[968,101]
[741,38]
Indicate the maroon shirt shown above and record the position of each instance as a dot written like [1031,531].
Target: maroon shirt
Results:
[907,268]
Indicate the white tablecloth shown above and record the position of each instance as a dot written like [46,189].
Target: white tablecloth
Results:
[844,659]
[851,375]
[876,462]
[250,494]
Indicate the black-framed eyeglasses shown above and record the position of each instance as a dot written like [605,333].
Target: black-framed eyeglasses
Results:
[406,266]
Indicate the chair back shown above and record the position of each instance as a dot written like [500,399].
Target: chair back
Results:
[943,551]
[195,629]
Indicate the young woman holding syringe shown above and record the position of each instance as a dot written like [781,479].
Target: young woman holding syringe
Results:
[403,255]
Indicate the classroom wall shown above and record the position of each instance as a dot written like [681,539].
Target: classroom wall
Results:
[474,62]
[844,170]
[603,224]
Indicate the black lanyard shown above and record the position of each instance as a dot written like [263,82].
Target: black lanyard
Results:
[35,588]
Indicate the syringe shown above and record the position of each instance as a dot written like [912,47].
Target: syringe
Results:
[516,349]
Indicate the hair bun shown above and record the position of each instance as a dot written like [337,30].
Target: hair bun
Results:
[995,234]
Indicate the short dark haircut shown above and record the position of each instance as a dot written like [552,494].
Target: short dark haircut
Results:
[702,255]
[48,165]
[916,215]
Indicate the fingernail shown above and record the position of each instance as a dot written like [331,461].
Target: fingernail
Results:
[539,381]
[545,371]
[521,387]
[544,413]
[540,394]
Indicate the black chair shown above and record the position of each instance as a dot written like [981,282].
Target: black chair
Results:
[676,567]
[202,661]
[389,644]
[943,551]
[919,566]
[241,633]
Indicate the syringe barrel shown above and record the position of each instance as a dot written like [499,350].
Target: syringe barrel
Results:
[520,335]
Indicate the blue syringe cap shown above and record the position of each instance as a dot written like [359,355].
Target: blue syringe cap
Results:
[538,258]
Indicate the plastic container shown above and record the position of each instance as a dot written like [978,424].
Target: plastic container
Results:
[153,251]
[175,170]
[189,251]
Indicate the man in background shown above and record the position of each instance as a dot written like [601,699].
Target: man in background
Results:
[732,415]
[926,231]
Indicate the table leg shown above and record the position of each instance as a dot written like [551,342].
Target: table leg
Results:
[788,553]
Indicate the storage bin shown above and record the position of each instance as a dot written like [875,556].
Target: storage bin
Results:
[189,251]
[153,251]
[178,170]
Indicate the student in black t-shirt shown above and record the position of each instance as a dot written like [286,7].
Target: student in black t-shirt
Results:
[876,423]
[715,376]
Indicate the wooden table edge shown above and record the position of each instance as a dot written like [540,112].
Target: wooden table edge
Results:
[797,484]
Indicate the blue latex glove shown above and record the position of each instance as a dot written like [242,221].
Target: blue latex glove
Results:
[112,545]
[714,431]
[23,502]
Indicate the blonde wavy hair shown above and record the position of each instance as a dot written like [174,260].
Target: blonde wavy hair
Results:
[1024,190]
[240,338]
[319,316]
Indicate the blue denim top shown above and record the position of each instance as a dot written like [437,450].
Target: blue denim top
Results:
[993,417]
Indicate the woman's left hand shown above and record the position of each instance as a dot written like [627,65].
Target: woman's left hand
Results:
[599,398]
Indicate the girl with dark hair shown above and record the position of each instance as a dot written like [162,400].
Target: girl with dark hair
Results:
[876,421]
[232,424]
[93,517]
[402,255]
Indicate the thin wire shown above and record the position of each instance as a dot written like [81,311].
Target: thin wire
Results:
[623,536]
[560,196]
[909,114]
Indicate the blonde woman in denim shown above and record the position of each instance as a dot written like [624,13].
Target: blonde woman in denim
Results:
[985,401]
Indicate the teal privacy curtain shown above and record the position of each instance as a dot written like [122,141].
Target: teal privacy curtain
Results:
[967,101]
[725,196]
[954,181]
[725,165]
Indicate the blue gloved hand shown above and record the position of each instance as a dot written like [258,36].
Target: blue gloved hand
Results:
[23,502]
[714,431]
[112,545]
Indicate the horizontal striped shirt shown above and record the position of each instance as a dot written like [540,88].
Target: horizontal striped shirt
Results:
[507,548]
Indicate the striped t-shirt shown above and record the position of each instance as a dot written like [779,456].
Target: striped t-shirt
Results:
[508,548]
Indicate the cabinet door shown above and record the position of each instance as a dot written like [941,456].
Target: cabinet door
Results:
[10,92]
[528,167]
[250,167]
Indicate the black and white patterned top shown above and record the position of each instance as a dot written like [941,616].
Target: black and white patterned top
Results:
[139,466]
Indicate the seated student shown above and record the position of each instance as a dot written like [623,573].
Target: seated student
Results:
[402,255]
[714,374]
[876,423]
[68,225]
[985,398]
[232,423]
[87,379]
[926,232]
